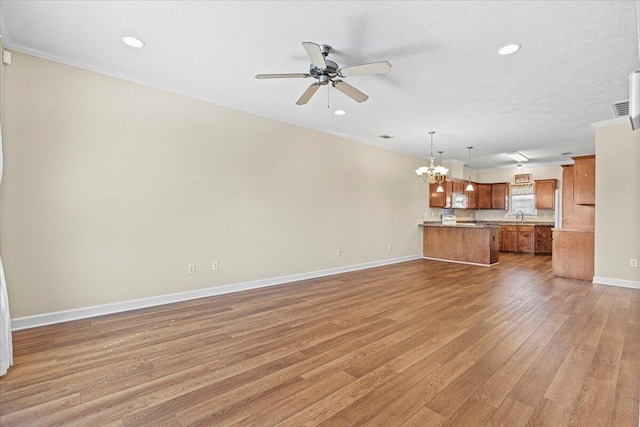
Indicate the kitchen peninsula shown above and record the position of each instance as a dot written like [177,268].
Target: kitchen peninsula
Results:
[465,243]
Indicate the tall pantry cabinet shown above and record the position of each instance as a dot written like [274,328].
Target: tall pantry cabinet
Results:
[573,244]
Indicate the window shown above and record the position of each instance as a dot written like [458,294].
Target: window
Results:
[522,199]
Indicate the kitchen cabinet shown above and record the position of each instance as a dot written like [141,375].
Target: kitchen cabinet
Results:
[543,244]
[509,238]
[517,238]
[472,197]
[584,180]
[545,190]
[499,195]
[525,239]
[573,244]
[448,191]
[436,200]
[573,254]
[457,187]
[574,216]
[484,196]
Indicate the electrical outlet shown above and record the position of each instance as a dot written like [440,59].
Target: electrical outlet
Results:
[215,266]
[390,248]
[433,214]
[191,269]
[338,252]
[633,262]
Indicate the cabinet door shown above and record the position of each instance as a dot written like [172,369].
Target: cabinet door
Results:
[436,200]
[499,193]
[584,180]
[543,243]
[525,241]
[484,196]
[545,190]
[472,197]
[458,187]
[448,191]
[509,241]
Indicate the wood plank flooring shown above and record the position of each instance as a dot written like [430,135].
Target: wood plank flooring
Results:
[422,343]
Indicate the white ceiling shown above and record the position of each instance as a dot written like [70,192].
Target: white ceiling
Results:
[447,76]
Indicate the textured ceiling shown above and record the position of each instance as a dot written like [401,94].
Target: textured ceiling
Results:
[447,75]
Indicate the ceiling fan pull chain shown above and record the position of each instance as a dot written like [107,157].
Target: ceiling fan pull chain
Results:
[328,96]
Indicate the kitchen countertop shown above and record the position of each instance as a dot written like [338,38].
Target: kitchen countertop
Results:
[531,223]
[485,224]
[460,225]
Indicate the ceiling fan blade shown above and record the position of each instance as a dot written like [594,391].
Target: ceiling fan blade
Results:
[315,54]
[306,96]
[282,76]
[365,69]
[350,91]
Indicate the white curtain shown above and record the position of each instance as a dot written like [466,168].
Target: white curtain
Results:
[6,347]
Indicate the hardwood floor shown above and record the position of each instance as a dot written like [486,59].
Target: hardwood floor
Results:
[423,343]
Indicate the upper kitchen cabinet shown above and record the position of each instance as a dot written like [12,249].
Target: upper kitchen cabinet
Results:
[472,197]
[448,191]
[584,180]
[436,200]
[499,195]
[458,187]
[484,196]
[545,190]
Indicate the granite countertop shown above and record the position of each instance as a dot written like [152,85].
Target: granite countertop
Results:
[458,225]
[533,223]
[485,224]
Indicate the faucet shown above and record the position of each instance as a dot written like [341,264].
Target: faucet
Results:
[521,216]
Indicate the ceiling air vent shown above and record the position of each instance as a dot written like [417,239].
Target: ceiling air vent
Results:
[385,136]
[621,108]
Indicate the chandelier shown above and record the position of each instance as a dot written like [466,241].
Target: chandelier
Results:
[432,174]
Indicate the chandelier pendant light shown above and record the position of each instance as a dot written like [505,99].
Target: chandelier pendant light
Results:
[432,174]
[469,186]
[440,189]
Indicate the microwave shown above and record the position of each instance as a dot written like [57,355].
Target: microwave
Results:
[458,201]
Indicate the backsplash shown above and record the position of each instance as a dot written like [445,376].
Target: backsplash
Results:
[544,215]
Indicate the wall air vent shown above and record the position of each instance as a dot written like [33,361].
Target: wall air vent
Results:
[621,108]
[385,136]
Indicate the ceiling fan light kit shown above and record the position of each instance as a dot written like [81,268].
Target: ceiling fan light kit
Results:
[326,71]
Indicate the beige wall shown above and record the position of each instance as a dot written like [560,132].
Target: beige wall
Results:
[112,188]
[617,202]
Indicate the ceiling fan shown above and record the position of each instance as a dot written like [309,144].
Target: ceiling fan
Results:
[325,71]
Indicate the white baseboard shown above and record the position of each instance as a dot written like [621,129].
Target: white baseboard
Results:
[100,310]
[634,284]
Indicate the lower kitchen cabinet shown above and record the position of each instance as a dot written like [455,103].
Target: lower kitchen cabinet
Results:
[573,253]
[509,238]
[543,240]
[525,239]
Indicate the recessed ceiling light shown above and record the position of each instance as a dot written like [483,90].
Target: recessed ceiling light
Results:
[133,42]
[509,49]
[339,112]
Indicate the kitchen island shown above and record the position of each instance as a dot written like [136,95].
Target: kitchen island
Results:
[465,243]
